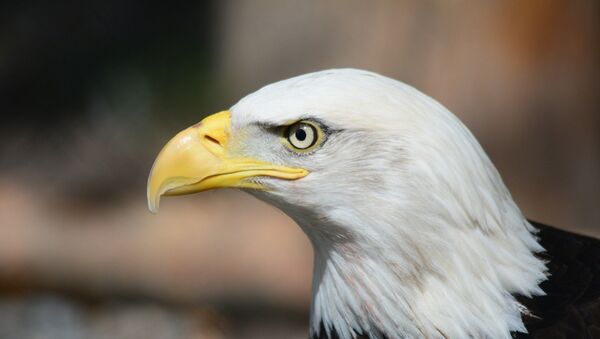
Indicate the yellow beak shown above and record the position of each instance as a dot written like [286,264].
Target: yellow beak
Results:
[197,160]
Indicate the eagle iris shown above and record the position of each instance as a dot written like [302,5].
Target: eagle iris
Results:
[302,135]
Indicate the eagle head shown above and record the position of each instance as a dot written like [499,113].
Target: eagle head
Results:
[414,232]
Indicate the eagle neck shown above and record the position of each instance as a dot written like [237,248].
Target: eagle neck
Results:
[381,292]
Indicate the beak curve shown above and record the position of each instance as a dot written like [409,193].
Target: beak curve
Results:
[196,160]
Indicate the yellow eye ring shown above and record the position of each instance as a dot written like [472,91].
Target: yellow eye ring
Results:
[303,136]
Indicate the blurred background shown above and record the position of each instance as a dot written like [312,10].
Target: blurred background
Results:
[90,91]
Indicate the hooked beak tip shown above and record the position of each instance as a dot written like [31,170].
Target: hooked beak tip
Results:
[153,201]
[153,206]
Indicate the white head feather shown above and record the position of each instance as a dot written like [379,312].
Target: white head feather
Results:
[414,232]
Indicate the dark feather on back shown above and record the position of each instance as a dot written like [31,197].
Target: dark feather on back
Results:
[571,306]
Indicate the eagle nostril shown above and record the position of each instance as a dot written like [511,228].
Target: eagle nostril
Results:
[212,140]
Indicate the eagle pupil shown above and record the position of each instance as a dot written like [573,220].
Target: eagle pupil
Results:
[300,134]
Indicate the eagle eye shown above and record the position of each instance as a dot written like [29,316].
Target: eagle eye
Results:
[303,136]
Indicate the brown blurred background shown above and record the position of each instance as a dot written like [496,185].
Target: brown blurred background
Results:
[89,91]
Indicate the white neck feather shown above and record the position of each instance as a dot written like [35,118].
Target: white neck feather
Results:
[462,287]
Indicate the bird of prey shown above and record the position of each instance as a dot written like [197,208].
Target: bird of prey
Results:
[414,233]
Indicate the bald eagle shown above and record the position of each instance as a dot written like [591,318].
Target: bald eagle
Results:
[414,233]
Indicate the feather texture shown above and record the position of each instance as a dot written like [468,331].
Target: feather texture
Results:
[571,307]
